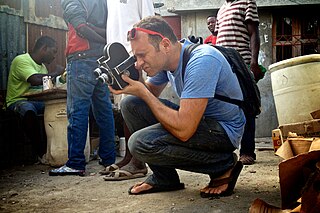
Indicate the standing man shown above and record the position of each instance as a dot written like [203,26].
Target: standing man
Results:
[122,16]
[201,134]
[237,27]
[26,72]
[86,20]
[211,23]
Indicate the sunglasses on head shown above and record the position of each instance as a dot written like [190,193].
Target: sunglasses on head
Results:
[133,33]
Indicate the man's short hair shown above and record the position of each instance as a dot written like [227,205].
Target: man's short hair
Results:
[213,16]
[44,41]
[157,24]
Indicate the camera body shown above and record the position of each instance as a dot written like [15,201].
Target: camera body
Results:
[115,63]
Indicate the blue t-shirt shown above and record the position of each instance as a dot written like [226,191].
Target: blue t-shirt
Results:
[208,73]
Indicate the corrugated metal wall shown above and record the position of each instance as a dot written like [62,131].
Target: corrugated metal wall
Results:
[13,40]
[21,23]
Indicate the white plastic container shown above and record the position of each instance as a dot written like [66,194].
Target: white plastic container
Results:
[56,122]
[296,88]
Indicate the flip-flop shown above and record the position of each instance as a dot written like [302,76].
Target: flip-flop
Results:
[232,180]
[158,188]
[109,169]
[119,174]
[219,182]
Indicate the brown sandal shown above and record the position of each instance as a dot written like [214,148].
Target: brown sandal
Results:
[109,169]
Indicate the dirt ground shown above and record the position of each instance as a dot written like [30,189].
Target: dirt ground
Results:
[31,189]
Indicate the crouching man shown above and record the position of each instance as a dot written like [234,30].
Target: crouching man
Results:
[202,133]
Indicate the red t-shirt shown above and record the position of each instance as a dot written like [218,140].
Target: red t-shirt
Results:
[210,39]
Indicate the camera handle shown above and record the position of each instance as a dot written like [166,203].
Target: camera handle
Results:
[125,65]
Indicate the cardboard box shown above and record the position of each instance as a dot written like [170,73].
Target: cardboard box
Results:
[306,129]
[277,139]
[315,114]
[298,155]
[296,146]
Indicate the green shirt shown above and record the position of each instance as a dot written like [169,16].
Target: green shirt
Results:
[22,67]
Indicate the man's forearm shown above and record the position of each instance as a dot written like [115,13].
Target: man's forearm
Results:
[98,30]
[166,116]
[89,34]
[181,123]
[255,45]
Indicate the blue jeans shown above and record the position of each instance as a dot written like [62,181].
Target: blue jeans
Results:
[208,151]
[23,106]
[83,91]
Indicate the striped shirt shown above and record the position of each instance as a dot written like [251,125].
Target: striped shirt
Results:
[231,25]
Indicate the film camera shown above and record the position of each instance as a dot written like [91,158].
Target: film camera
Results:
[115,63]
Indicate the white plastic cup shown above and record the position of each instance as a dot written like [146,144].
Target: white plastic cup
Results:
[122,146]
[47,83]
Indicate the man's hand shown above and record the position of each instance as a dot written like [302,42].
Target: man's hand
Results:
[135,88]
[59,70]
[257,72]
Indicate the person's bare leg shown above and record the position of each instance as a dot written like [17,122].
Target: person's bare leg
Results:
[135,166]
[127,156]
[129,163]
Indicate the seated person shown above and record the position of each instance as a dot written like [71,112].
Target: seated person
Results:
[202,133]
[26,72]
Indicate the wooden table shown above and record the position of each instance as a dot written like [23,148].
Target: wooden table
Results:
[50,94]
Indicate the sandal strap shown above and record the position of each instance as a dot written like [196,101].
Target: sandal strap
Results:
[219,182]
[119,172]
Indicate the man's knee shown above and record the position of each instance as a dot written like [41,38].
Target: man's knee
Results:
[126,103]
[137,146]
[24,107]
[132,143]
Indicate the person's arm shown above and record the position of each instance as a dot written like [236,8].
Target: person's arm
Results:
[255,46]
[181,123]
[36,79]
[91,32]
[155,90]
[75,14]
[100,31]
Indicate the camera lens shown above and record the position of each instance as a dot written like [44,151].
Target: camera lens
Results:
[106,78]
[97,72]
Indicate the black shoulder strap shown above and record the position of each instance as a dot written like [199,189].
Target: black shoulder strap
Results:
[186,56]
[229,100]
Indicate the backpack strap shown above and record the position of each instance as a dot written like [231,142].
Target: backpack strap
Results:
[186,56]
[229,100]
